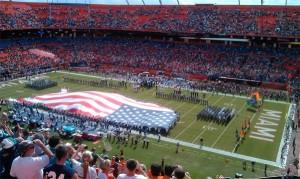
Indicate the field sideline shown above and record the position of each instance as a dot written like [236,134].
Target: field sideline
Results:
[189,129]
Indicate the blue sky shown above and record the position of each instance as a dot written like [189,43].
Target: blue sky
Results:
[149,2]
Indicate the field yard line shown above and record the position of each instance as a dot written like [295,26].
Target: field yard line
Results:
[222,94]
[194,119]
[198,136]
[188,125]
[227,127]
[253,115]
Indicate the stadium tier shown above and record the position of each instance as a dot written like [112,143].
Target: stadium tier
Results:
[204,19]
[198,62]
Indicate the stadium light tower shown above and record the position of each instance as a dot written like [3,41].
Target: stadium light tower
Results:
[178,2]
[127,2]
[160,2]
[143,2]
[239,2]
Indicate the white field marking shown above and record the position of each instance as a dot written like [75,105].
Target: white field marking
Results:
[187,112]
[253,115]
[198,136]
[202,132]
[282,137]
[209,128]
[219,137]
[229,104]
[194,119]
[220,94]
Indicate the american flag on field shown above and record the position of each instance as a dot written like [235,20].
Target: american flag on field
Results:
[111,106]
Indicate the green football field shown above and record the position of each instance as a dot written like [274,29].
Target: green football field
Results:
[262,141]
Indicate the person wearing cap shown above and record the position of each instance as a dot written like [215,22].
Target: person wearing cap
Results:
[26,166]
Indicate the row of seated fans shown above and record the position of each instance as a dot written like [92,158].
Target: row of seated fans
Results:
[108,54]
[220,20]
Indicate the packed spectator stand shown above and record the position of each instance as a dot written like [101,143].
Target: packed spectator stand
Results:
[205,19]
[209,61]
[202,62]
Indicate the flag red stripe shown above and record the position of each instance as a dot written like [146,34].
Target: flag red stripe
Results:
[100,103]
[53,105]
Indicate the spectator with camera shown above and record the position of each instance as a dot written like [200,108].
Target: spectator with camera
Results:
[26,165]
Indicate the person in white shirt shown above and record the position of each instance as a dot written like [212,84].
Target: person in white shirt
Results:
[26,166]
[83,169]
[132,169]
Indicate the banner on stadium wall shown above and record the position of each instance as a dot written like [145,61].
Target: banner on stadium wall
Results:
[80,69]
[276,86]
[198,77]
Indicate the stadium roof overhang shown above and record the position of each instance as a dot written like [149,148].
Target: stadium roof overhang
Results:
[172,2]
[217,39]
[226,39]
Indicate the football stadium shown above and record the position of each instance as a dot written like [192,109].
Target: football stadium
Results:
[158,90]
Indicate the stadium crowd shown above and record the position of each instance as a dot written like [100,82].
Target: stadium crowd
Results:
[247,20]
[31,153]
[110,55]
[106,54]
[19,61]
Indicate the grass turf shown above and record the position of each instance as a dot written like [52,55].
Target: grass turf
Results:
[188,129]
